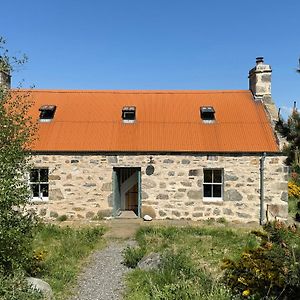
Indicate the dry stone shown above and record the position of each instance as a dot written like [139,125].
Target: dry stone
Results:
[89,214]
[162,185]
[278,210]
[107,186]
[192,194]
[196,172]
[176,213]
[56,194]
[178,195]
[216,212]
[144,195]
[89,184]
[232,195]
[227,211]
[284,196]
[243,215]
[150,262]
[162,213]
[148,183]
[185,161]
[112,159]
[148,210]
[197,215]
[186,183]
[54,177]
[162,196]
[41,286]
[230,177]
[168,161]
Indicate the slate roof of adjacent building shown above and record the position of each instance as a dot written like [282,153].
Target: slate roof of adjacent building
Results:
[166,121]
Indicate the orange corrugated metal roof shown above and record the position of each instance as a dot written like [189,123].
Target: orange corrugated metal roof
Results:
[165,121]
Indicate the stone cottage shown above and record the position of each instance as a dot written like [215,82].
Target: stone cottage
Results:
[170,154]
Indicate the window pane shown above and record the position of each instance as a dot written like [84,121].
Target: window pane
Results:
[34,175]
[44,190]
[207,190]
[35,190]
[218,176]
[44,175]
[207,175]
[217,191]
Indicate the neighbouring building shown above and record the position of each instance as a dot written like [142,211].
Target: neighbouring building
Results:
[170,154]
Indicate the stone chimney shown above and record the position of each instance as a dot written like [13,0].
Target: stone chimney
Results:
[5,78]
[260,86]
[260,79]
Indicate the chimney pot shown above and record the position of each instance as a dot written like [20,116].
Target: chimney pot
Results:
[259,60]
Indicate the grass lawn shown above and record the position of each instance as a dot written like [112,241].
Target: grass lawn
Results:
[60,252]
[191,264]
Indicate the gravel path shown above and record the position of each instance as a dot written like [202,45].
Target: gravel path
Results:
[102,279]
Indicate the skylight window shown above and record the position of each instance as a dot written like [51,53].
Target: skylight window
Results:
[128,114]
[207,114]
[47,113]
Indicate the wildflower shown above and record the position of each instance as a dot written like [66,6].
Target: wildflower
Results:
[268,245]
[246,293]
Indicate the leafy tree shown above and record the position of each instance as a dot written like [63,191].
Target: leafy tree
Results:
[290,129]
[16,133]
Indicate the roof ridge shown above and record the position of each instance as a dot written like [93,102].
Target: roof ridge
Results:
[133,91]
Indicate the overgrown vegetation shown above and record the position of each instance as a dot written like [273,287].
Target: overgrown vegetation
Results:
[290,129]
[132,256]
[270,271]
[191,261]
[261,264]
[16,133]
[177,278]
[59,253]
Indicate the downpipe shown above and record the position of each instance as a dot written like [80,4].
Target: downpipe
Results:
[262,189]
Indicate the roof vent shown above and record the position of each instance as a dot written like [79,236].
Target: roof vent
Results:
[47,113]
[207,114]
[128,114]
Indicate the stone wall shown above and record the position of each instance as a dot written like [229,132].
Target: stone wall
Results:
[81,185]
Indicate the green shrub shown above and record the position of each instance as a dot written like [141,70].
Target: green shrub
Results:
[15,287]
[36,264]
[132,256]
[271,270]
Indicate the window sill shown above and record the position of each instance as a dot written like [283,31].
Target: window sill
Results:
[213,200]
[38,200]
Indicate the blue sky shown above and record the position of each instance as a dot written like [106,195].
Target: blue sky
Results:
[157,44]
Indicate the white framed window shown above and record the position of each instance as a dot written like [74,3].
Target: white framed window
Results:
[213,185]
[39,183]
